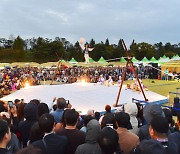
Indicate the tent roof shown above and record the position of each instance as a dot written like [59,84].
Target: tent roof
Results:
[102,60]
[144,60]
[134,60]
[91,60]
[73,60]
[164,57]
[153,59]
[122,60]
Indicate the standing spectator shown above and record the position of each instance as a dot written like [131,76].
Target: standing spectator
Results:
[75,136]
[31,116]
[5,136]
[166,73]
[127,140]
[108,141]
[61,104]
[132,110]
[150,111]
[158,131]
[51,142]
[91,146]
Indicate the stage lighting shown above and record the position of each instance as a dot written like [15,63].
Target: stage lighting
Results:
[26,85]
[83,81]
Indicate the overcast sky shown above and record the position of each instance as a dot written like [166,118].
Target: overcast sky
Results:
[150,21]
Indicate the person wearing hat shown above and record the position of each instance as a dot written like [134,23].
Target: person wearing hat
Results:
[86,50]
[150,111]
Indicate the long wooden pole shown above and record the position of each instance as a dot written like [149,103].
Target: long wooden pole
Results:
[134,71]
[124,75]
[120,87]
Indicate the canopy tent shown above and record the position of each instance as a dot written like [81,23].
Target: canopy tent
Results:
[134,60]
[176,57]
[122,60]
[102,60]
[164,59]
[73,61]
[145,60]
[153,60]
[91,60]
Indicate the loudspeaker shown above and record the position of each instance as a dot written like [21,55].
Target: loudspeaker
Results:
[154,70]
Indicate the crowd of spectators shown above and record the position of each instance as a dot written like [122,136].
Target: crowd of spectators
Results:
[15,78]
[34,128]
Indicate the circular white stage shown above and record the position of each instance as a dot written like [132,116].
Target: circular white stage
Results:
[82,96]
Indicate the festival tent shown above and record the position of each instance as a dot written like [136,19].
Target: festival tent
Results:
[153,60]
[102,60]
[145,60]
[91,60]
[73,61]
[134,60]
[175,57]
[164,59]
[122,60]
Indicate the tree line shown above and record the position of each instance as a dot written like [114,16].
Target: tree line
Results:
[44,50]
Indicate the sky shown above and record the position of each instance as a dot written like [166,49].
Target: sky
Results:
[148,21]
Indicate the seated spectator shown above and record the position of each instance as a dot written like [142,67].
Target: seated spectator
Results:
[51,142]
[75,136]
[5,137]
[150,111]
[90,146]
[108,141]
[127,140]
[61,104]
[158,131]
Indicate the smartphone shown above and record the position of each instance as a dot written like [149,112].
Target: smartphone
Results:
[67,101]
[10,104]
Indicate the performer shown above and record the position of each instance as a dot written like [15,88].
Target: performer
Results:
[120,80]
[85,50]
[101,80]
[109,82]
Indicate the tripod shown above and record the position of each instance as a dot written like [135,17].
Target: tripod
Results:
[129,61]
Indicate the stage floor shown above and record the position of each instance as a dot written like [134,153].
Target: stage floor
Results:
[82,96]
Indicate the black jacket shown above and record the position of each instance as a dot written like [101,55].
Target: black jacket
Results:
[52,144]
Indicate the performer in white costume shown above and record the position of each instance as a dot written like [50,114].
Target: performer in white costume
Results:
[85,50]
[109,82]
[101,80]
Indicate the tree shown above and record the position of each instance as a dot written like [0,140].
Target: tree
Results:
[107,42]
[18,44]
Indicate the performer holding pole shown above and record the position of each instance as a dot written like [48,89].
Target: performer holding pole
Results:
[85,50]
